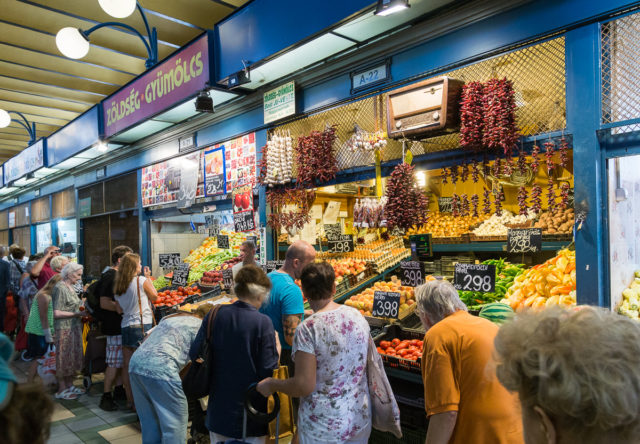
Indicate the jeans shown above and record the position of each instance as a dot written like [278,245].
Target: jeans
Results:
[162,408]
[132,335]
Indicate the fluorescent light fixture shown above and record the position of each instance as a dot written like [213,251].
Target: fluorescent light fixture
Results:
[5,119]
[118,8]
[102,147]
[72,43]
[44,172]
[388,7]
[7,190]
[24,181]
[421,178]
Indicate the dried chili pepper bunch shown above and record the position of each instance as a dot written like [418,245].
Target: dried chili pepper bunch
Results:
[464,172]
[522,200]
[278,198]
[508,167]
[522,163]
[464,207]
[551,196]
[564,152]
[497,167]
[535,162]
[406,204]
[474,205]
[536,201]
[564,195]
[455,205]
[500,130]
[453,174]
[549,148]
[262,165]
[486,168]
[475,171]
[486,202]
[445,175]
[472,109]
[316,159]
[497,202]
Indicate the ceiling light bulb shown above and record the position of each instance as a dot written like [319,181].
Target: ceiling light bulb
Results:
[5,119]
[72,43]
[388,7]
[102,147]
[118,8]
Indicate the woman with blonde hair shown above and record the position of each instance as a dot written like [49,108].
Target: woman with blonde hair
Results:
[133,293]
[576,373]
[39,326]
[68,330]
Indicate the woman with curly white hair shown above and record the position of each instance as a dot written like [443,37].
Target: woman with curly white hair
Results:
[68,331]
[577,374]
[464,401]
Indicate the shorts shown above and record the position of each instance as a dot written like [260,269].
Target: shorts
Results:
[114,351]
[36,346]
[132,335]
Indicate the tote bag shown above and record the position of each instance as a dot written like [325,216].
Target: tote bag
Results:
[385,414]
[287,425]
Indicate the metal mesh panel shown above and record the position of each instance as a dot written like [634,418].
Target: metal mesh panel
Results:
[620,69]
[538,75]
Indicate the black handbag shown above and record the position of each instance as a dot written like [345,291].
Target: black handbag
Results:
[196,377]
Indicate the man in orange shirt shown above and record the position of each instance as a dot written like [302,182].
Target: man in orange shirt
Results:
[464,401]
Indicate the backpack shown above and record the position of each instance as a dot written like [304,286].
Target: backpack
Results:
[93,299]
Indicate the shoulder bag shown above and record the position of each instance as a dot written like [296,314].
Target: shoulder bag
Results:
[196,376]
[385,414]
[153,318]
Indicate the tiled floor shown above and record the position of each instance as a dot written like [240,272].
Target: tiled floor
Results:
[82,421]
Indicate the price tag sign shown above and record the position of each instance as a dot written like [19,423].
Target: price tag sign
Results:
[421,247]
[445,204]
[386,304]
[227,278]
[244,221]
[181,275]
[340,244]
[272,265]
[332,230]
[412,273]
[223,241]
[475,277]
[168,260]
[215,185]
[525,240]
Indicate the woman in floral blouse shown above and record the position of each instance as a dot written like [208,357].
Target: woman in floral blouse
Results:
[330,352]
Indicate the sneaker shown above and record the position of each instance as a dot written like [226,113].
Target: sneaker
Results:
[119,393]
[67,395]
[107,404]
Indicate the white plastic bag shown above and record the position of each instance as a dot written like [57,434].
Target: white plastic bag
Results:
[47,366]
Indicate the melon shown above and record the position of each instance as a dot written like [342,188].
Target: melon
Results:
[496,312]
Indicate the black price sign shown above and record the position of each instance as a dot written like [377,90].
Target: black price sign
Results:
[445,204]
[244,221]
[181,275]
[525,240]
[421,247]
[223,241]
[386,304]
[215,185]
[168,260]
[272,266]
[475,277]
[412,273]
[340,244]
[332,230]
[227,278]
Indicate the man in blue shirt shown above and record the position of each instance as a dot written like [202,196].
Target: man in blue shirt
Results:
[285,306]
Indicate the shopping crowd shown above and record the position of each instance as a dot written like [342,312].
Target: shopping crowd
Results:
[556,376]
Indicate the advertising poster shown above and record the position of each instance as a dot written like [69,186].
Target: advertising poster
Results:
[242,198]
[161,182]
[240,161]
[214,172]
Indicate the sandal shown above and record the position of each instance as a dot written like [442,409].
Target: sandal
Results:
[67,395]
[77,390]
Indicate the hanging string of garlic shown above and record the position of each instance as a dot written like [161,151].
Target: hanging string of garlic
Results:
[279,159]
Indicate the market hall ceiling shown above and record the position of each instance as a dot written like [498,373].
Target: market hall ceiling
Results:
[50,89]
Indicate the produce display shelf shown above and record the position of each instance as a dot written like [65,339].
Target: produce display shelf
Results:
[492,246]
[403,374]
[366,283]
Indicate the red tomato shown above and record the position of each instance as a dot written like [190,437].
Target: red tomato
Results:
[390,351]
[395,342]
[403,352]
[385,344]
[402,346]
[381,351]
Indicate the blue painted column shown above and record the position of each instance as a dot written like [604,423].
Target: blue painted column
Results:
[145,227]
[583,119]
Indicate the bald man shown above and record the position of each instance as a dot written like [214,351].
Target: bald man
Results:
[285,306]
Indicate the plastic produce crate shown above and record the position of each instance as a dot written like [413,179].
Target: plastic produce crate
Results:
[397,331]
